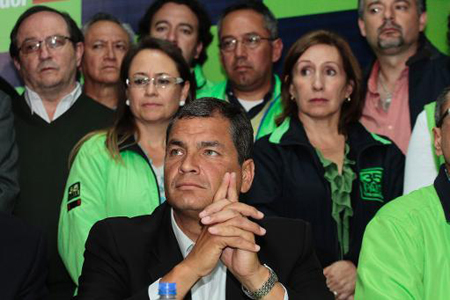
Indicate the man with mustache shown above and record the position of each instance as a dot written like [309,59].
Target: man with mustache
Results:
[408,73]
[106,41]
[249,45]
[202,238]
[50,117]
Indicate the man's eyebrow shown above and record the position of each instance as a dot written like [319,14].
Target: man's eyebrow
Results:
[206,144]
[161,22]
[186,24]
[174,142]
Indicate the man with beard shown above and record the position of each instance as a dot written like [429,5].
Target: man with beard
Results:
[408,73]
[50,117]
[249,45]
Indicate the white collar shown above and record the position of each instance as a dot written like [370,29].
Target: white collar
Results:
[184,242]
[36,105]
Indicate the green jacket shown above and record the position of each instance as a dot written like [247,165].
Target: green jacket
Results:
[406,247]
[203,84]
[99,187]
[264,122]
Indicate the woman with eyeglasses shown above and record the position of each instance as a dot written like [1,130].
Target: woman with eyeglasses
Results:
[119,172]
[320,164]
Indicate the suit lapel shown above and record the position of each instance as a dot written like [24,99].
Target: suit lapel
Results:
[165,252]
[233,288]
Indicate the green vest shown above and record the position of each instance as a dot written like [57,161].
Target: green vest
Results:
[264,122]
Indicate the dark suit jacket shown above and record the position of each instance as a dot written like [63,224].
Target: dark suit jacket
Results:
[125,255]
[9,168]
[23,260]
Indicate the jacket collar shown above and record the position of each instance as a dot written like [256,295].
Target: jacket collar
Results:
[292,132]
[425,51]
[442,186]
[130,144]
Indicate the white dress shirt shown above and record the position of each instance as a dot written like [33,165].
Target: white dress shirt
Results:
[212,286]
[420,169]
[36,105]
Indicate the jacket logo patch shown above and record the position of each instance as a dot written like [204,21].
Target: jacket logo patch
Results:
[74,191]
[371,184]
[73,204]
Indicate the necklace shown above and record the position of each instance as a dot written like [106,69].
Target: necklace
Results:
[386,102]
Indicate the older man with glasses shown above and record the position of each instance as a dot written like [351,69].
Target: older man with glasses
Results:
[249,45]
[50,117]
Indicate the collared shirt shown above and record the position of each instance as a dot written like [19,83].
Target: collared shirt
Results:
[395,122]
[212,286]
[36,104]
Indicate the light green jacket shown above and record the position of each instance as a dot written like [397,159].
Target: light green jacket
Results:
[203,84]
[406,251]
[99,187]
[264,122]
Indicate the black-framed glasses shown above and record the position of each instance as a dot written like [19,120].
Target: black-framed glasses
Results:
[250,41]
[441,120]
[52,42]
[160,81]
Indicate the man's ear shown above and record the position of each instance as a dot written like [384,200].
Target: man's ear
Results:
[16,63]
[277,49]
[79,50]
[362,27]
[248,173]
[422,21]
[198,50]
[437,141]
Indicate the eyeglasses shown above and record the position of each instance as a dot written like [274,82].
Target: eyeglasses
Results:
[160,81]
[52,42]
[441,120]
[251,41]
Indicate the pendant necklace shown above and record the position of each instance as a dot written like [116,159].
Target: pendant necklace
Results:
[386,102]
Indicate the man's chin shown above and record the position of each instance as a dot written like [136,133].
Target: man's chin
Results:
[392,43]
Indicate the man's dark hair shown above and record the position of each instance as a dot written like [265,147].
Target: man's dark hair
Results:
[204,23]
[241,129]
[75,33]
[441,100]
[270,22]
[101,16]
[421,7]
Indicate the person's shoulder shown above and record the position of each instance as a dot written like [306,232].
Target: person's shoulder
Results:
[136,226]
[16,233]
[91,104]
[409,207]
[215,90]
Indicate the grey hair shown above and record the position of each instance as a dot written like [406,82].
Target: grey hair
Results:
[420,4]
[108,17]
[441,100]
[270,22]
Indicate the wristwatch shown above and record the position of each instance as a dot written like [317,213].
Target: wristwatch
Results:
[265,288]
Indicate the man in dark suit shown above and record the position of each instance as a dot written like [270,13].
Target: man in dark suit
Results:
[203,239]
[23,260]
